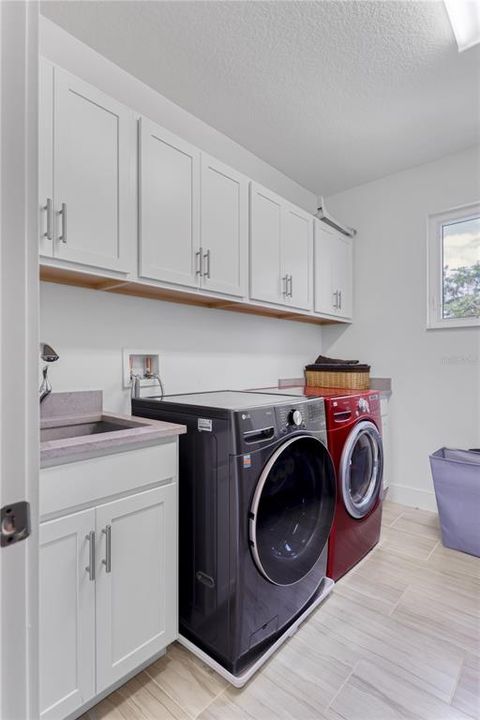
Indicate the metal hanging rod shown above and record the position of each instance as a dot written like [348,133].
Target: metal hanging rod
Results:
[323,215]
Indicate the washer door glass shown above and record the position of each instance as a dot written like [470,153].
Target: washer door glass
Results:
[292,510]
[361,469]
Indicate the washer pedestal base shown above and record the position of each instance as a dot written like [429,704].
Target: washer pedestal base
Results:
[240,680]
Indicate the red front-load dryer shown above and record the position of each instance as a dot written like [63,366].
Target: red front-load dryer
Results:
[354,441]
[355,444]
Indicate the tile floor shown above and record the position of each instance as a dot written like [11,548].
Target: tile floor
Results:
[398,638]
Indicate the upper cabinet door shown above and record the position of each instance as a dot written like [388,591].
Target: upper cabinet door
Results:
[67,614]
[333,272]
[344,274]
[169,193]
[297,257]
[326,297]
[224,228]
[266,281]
[136,581]
[94,176]
[45,158]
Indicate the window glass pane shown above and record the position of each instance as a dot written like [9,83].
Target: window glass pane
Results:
[461,269]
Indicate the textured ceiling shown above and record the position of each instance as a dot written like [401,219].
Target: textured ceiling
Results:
[333,94]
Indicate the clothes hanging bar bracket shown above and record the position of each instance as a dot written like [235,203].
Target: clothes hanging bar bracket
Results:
[323,215]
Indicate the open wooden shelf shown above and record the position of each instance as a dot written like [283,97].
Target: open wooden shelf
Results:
[65,276]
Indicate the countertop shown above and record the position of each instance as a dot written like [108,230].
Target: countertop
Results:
[383,385]
[69,409]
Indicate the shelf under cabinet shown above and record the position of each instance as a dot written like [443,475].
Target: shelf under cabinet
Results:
[67,276]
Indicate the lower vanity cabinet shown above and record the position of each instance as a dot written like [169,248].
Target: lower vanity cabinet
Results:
[108,595]
[67,614]
[136,594]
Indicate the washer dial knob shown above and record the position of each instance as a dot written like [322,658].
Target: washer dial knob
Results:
[295,418]
[363,405]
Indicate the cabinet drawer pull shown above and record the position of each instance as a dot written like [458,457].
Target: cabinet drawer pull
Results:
[107,531]
[290,293]
[47,208]
[335,302]
[91,555]
[285,285]
[206,257]
[340,299]
[198,262]
[63,213]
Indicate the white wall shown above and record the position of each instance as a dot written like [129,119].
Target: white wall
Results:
[436,373]
[200,348]
[62,48]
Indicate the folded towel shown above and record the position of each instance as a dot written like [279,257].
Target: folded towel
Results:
[337,367]
[324,360]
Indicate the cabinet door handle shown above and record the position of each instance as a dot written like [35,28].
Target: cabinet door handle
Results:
[107,531]
[335,302]
[206,257]
[198,262]
[91,555]
[340,299]
[63,213]
[47,208]
[290,294]
[285,285]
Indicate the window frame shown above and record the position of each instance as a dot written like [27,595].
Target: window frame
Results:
[435,223]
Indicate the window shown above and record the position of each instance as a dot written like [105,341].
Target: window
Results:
[454,268]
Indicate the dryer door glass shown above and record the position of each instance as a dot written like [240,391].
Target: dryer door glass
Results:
[361,469]
[292,510]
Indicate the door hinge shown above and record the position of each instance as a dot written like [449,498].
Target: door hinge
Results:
[14,523]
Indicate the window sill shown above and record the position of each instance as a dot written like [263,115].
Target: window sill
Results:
[454,323]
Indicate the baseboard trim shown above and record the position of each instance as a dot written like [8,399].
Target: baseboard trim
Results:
[405,495]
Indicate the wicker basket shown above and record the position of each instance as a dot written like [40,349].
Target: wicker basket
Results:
[346,379]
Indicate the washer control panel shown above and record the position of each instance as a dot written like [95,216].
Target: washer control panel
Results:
[307,415]
[256,427]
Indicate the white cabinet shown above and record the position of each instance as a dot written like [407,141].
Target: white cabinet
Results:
[387,444]
[333,272]
[169,194]
[297,256]
[67,614]
[108,589]
[193,216]
[266,281]
[87,174]
[129,201]
[281,245]
[45,158]
[224,228]
[136,581]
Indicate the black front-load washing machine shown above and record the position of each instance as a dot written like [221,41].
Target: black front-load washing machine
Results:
[256,505]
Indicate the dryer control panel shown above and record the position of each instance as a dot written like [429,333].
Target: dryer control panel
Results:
[350,409]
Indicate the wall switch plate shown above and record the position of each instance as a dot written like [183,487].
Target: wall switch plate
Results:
[140,362]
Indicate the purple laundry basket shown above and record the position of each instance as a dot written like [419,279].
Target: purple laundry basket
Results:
[456,479]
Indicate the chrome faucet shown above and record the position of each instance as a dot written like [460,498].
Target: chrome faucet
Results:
[48,355]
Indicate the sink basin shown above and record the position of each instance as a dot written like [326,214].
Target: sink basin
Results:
[62,432]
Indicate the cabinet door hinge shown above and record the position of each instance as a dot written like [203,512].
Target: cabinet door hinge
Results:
[14,523]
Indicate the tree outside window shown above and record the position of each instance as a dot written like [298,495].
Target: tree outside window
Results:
[461,269]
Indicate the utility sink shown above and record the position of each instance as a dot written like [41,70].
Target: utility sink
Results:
[63,432]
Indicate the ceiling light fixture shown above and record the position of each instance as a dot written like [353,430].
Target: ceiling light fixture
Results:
[464,16]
